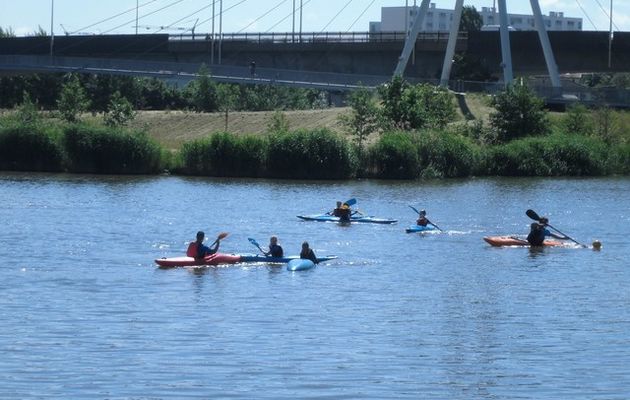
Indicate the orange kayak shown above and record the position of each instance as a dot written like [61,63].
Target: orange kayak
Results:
[501,241]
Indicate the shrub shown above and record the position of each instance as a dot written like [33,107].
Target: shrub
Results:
[395,156]
[447,155]
[556,155]
[96,149]
[519,113]
[363,120]
[73,100]
[30,147]
[224,154]
[313,154]
[119,112]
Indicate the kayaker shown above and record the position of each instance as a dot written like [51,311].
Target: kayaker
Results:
[275,250]
[342,211]
[197,249]
[422,218]
[538,231]
[307,253]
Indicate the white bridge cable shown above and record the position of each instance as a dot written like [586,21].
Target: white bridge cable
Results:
[144,16]
[224,11]
[586,14]
[113,17]
[360,15]
[606,13]
[183,18]
[262,16]
[336,15]
[285,18]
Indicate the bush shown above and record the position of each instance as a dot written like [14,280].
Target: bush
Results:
[519,113]
[395,156]
[447,155]
[30,147]
[101,150]
[224,154]
[314,154]
[556,155]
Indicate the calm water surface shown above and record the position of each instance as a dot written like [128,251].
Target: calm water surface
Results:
[84,313]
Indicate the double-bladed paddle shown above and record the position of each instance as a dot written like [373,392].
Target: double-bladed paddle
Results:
[255,243]
[221,236]
[413,208]
[533,215]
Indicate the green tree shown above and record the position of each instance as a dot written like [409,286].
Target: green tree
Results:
[203,92]
[120,111]
[363,119]
[278,123]
[40,32]
[73,100]
[27,111]
[391,94]
[228,99]
[518,113]
[471,20]
[577,120]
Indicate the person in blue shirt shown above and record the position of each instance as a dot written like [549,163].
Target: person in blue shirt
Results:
[275,250]
[538,232]
[203,250]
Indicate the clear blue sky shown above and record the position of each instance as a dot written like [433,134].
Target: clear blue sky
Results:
[24,16]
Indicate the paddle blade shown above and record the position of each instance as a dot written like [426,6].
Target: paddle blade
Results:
[351,202]
[532,214]
[253,241]
[222,235]
[414,208]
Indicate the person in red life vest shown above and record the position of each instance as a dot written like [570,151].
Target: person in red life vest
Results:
[422,219]
[197,249]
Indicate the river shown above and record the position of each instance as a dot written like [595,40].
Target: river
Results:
[84,312]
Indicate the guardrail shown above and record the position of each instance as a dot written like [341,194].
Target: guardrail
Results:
[314,37]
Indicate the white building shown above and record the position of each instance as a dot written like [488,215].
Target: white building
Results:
[393,19]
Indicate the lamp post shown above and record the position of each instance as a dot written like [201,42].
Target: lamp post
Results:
[137,6]
[610,36]
[52,24]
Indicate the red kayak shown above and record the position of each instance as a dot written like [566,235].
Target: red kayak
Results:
[501,241]
[213,259]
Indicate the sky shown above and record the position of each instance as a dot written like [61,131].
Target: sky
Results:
[87,16]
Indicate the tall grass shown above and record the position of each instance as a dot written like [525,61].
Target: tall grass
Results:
[310,154]
[29,147]
[225,154]
[102,150]
[395,156]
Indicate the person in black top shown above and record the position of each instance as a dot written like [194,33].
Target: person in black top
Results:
[275,250]
[307,253]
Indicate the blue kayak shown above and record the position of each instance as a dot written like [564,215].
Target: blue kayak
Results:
[300,265]
[354,218]
[278,260]
[420,228]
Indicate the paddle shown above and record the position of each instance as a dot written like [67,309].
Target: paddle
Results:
[255,243]
[440,229]
[533,215]
[350,202]
[221,236]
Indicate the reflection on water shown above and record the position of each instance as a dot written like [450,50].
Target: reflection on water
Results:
[84,313]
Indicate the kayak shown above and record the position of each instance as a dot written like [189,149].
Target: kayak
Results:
[363,218]
[277,260]
[501,241]
[213,259]
[420,228]
[300,265]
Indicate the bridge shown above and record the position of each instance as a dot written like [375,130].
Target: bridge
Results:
[327,61]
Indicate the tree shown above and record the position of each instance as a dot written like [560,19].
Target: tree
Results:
[119,112]
[73,100]
[364,119]
[6,32]
[278,123]
[518,113]
[472,21]
[228,99]
[203,92]
[577,120]
[391,94]
[40,32]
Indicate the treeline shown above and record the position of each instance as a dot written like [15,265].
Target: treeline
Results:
[401,132]
[202,94]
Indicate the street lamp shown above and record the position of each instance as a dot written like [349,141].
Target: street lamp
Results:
[610,36]
[52,23]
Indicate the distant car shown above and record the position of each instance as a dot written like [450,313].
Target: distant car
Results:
[487,28]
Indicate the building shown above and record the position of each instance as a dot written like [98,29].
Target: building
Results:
[393,19]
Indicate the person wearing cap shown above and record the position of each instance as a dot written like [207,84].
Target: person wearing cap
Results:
[538,231]
[422,218]
[307,253]
[198,250]
[275,250]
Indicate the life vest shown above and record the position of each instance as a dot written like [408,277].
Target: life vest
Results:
[192,250]
[422,221]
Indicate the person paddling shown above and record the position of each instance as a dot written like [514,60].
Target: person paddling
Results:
[275,250]
[538,232]
[422,218]
[307,253]
[342,211]
[197,249]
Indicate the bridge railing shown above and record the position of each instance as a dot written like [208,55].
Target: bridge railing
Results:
[313,37]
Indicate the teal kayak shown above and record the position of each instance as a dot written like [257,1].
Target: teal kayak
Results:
[300,265]
[277,260]
[420,228]
[354,218]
